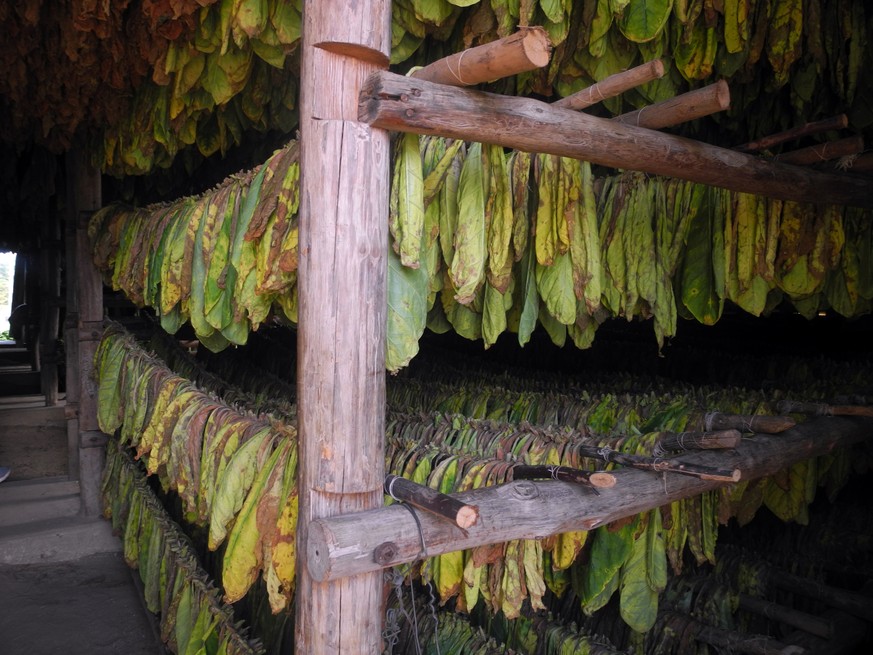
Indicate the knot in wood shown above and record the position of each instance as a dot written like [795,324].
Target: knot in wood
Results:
[385,553]
[524,490]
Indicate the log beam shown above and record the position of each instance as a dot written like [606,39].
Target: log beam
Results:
[613,85]
[851,145]
[344,545]
[342,309]
[680,109]
[526,50]
[394,102]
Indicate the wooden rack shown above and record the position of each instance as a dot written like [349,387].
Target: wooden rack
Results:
[343,546]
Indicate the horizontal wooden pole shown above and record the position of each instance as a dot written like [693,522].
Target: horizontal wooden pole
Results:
[749,423]
[826,151]
[854,603]
[403,104]
[526,50]
[342,546]
[712,440]
[705,101]
[613,85]
[787,615]
[593,479]
[733,641]
[834,123]
[824,409]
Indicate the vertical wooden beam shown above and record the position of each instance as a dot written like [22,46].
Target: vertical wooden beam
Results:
[85,197]
[50,287]
[342,287]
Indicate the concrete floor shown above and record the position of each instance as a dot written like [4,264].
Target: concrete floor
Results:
[64,586]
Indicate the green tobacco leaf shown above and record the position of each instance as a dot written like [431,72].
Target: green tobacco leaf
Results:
[699,292]
[610,549]
[468,263]
[639,602]
[530,299]
[643,20]
[407,312]
[410,207]
[555,284]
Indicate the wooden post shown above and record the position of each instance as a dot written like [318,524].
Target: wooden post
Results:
[85,197]
[405,104]
[345,545]
[342,287]
[526,50]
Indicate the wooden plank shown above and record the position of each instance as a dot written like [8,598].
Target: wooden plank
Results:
[342,310]
[834,123]
[680,109]
[613,85]
[526,50]
[404,104]
[344,545]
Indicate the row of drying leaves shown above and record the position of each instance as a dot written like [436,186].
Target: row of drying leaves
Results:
[192,617]
[236,473]
[486,243]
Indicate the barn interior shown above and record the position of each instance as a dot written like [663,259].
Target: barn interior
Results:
[718,268]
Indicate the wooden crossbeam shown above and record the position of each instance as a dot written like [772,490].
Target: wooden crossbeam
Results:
[404,104]
[613,85]
[826,151]
[342,546]
[685,107]
[833,123]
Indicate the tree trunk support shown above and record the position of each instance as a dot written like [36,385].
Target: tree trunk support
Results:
[342,287]
[344,545]
[394,102]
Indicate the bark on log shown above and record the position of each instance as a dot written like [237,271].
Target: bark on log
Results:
[394,102]
[787,615]
[675,465]
[342,304]
[613,85]
[526,50]
[344,545]
[833,123]
[686,107]
[747,423]
[823,152]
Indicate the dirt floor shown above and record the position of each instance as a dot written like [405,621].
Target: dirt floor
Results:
[90,606]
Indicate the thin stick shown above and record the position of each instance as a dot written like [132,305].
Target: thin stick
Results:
[851,145]
[660,465]
[613,85]
[686,107]
[526,50]
[432,501]
[593,479]
[834,123]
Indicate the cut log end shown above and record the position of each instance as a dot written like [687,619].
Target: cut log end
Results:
[537,46]
[467,516]
[602,480]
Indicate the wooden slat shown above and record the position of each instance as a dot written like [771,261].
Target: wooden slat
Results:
[403,104]
[344,545]
[613,85]
[526,50]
